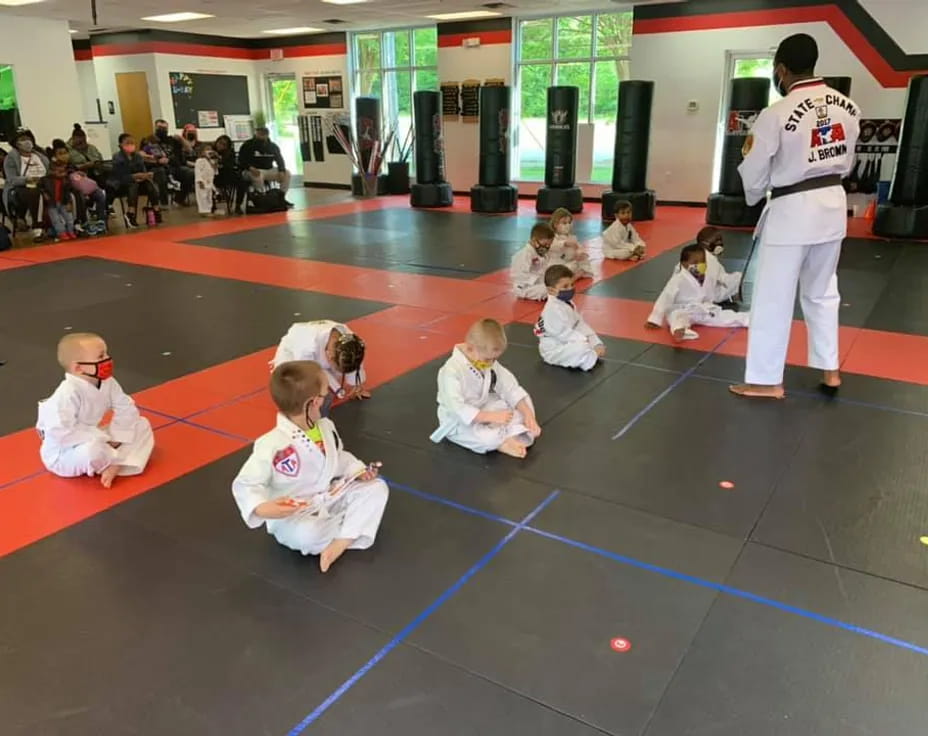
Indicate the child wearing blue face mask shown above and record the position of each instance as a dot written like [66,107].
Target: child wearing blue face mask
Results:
[564,338]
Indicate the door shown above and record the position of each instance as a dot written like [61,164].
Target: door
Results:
[132,91]
[283,107]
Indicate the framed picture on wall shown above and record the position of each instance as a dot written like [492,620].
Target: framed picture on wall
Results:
[321,93]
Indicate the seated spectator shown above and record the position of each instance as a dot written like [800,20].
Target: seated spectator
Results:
[177,170]
[229,177]
[84,190]
[130,179]
[23,168]
[84,156]
[257,158]
[158,161]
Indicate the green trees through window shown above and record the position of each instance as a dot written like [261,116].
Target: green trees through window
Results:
[587,51]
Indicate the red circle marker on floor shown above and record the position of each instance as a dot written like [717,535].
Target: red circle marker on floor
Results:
[726,484]
[620,645]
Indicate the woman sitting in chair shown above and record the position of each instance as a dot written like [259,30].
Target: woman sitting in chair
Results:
[24,166]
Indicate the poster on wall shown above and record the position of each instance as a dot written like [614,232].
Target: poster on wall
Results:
[450,100]
[324,92]
[470,100]
[208,119]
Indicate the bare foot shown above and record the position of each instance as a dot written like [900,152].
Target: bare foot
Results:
[365,394]
[756,391]
[678,334]
[331,553]
[109,475]
[832,379]
[513,448]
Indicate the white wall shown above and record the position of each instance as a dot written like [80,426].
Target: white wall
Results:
[691,66]
[87,81]
[905,20]
[46,79]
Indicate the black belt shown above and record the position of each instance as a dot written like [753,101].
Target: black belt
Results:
[807,185]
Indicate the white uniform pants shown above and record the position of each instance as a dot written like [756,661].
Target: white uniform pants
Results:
[536,292]
[355,516]
[92,458]
[482,438]
[578,354]
[780,269]
[709,315]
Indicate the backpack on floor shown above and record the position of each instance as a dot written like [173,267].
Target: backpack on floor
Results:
[272,200]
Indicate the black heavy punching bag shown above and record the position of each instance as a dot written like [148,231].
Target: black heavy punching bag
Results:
[430,189]
[727,206]
[367,132]
[842,84]
[494,193]
[561,153]
[630,164]
[906,213]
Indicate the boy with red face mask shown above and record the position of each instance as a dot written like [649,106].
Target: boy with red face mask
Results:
[73,442]
[621,240]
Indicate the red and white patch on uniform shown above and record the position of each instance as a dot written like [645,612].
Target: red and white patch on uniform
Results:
[287,462]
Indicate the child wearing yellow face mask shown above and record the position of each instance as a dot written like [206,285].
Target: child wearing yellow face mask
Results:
[481,405]
[687,300]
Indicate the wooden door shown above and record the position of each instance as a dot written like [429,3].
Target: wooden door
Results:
[132,90]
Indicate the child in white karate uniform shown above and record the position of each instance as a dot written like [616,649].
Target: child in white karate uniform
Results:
[481,405]
[204,172]
[687,300]
[564,338]
[313,495]
[726,285]
[621,241]
[73,442]
[336,348]
[565,248]
[527,271]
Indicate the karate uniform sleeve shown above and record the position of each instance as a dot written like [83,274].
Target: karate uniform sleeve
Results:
[589,334]
[125,414]
[755,168]
[289,347]
[558,325]
[520,269]
[612,237]
[451,396]
[507,387]
[664,302]
[251,486]
[634,236]
[60,425]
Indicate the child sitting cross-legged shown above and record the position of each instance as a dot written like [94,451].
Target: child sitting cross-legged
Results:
[564,338]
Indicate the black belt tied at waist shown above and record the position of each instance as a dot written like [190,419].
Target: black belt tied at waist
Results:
[807,185]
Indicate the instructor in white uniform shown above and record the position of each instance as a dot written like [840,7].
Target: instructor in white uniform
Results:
[799,150]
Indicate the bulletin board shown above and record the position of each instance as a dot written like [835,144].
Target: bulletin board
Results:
[208,98]
[323,93]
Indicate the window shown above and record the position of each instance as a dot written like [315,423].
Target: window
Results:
[391,65]
[587,51]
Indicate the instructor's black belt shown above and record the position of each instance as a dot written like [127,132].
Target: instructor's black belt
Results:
[807,185]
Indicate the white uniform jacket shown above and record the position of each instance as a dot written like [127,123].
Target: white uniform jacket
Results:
[307,341]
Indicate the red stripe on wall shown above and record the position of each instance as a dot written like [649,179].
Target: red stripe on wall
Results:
[859,45]
[223,52]
[487,38]
[83,55]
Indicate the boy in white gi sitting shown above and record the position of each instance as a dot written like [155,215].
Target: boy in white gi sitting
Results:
[527,271]
[565,248]
[621,241]
[73,442]
[687,300]
[564,338]
[481,405]
[314,496]
[726,284]
[336,348]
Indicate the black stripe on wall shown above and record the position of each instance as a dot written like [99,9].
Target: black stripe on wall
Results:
[502,23]
[149,35]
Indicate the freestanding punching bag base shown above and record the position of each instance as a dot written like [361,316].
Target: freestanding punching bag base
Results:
[900,221]
[548,200]
[642,204]
[357,185]
[494,199]
[431,195]
[732,211]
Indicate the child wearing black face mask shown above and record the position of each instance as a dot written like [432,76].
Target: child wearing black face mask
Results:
[73,442]
[564,338]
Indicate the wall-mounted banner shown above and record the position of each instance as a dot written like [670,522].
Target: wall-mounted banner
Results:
[320,93]
[450,100]
[470,100]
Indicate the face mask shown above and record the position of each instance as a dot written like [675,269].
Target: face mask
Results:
[161,133]
[698,270]
[312,413]
[103,369]
[129,150]
[566,295]
[25,146]
[541,250]
[778,85]
[190,136]
[482,365]
[716,249]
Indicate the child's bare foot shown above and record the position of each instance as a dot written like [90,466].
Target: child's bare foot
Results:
[331,553]
[364,393]
[679,334]
[832,379]
[513,448]
[109,475]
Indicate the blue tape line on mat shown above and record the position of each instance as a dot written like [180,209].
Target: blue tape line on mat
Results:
[683,376]
[418,620]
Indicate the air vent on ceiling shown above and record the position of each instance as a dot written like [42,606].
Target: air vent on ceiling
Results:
[335,21]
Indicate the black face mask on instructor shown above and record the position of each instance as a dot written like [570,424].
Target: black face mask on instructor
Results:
[778,83]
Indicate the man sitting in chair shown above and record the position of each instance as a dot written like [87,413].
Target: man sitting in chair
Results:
[257,157]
